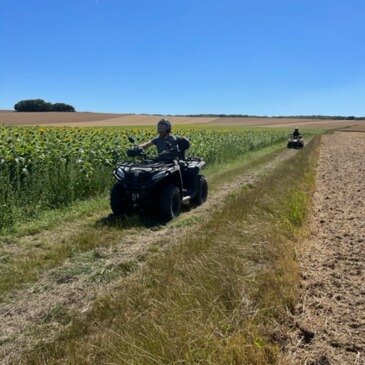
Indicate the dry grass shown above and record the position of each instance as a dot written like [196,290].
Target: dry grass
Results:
[51,249]
[217,297]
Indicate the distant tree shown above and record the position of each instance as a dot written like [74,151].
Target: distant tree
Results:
[62,107]
[39,105]
[33,105]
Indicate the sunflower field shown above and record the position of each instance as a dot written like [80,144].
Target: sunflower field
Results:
[44,168]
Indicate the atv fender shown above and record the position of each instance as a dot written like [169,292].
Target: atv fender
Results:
[173,179]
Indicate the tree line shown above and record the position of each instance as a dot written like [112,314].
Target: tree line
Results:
[39,105]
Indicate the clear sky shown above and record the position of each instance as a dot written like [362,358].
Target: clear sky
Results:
[263,57]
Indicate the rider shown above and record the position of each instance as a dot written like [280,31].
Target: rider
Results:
[165,141]
[296,133]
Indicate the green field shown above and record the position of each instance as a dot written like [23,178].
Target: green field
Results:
[44,168]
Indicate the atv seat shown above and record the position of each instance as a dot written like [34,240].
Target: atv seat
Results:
[184,145]
[189,173]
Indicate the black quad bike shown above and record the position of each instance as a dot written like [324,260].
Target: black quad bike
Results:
[295,141]
[158,185]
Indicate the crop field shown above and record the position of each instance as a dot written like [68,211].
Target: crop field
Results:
[267,270]
[46,167]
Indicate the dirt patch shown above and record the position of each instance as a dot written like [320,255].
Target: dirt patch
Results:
[330,318]
[38,118]
[41,310]
[359,127]
[284,122]
[80,119]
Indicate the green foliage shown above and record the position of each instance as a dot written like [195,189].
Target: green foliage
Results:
[62,107]
[39,105]
[44,168]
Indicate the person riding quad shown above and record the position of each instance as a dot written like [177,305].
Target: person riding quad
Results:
[296,133]
[165,140]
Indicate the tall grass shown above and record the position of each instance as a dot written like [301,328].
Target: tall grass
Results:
[49,186]
[217,297]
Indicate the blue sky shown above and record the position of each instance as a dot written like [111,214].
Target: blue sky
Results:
[260,57]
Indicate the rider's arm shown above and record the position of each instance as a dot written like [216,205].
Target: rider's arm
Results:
[146,145]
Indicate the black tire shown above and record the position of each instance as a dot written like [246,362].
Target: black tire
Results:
[169,205]
[118,201]
[202,193]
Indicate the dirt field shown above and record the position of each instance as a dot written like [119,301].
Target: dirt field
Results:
[13,118]
[330,319]
[360,127]
[101,119]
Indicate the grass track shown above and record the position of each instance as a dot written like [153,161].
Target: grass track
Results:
[23,260]
[216,297]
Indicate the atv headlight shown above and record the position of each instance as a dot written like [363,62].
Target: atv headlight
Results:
[159,175]
[120,173]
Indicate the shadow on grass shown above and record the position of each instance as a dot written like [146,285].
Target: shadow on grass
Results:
[141,219]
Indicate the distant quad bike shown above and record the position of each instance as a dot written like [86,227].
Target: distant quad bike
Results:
[295,141]
[158,185]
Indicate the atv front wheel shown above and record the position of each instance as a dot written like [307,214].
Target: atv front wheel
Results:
[202,193]
[118,200]
[169,205]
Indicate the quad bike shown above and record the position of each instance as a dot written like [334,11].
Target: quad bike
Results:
[295,141]
[158,185]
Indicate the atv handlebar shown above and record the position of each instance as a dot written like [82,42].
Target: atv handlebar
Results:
[136,152]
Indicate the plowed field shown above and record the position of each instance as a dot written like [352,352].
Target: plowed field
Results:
[330,319]
[103,119]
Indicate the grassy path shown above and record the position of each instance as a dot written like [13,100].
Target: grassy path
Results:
[61,235]
[65,269]
[219,295]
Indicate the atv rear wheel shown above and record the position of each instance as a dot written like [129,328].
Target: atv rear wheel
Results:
[202,193]
[118,200]
[169,205]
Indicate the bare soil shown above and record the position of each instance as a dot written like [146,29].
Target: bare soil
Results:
[14,118]
[39,311]
[330,318]
[359,127]
[286,122]
[84,119]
